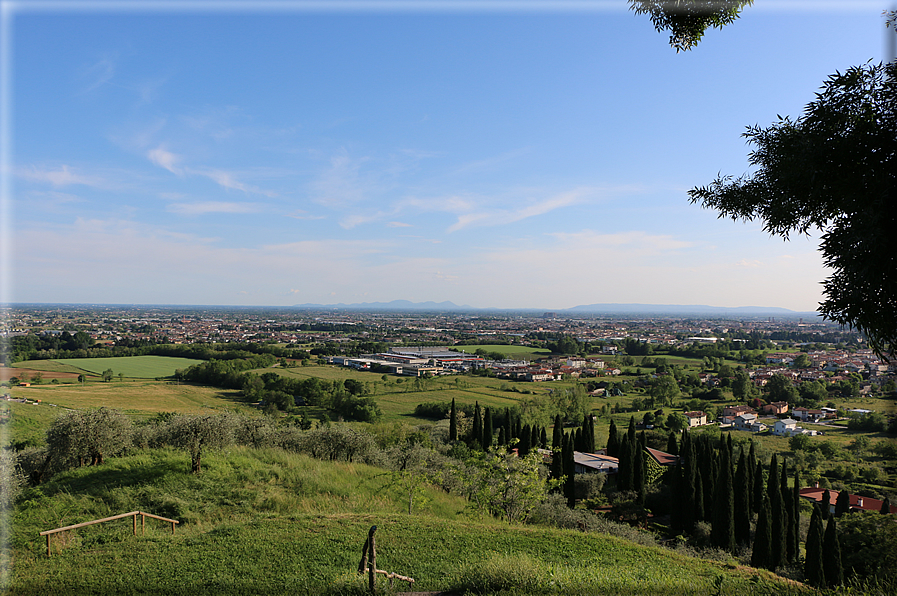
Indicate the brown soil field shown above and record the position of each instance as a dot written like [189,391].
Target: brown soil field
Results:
[6,373]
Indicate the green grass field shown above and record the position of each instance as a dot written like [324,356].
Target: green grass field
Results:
[136,367]
[139,399]
[269,522]
[512,352]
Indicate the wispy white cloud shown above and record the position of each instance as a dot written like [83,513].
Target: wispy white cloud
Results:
[398,224]
[524,209]
[340,184]
[212,207]
[63,176]
[302,214]
[162,157]
[98,74]
[229,180]
[165,159]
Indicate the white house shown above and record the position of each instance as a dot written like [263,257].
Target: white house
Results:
[786,428]
[745,421]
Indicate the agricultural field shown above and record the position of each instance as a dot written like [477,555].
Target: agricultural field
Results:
[512,352]
[134,367]
[139,399]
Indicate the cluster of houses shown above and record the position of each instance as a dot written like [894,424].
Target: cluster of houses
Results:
[746,418]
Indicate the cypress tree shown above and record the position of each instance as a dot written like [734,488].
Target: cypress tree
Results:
[709,481]
[751,469]
[577,439]
[789,553]
[477,425]
[761,553]
[592,443]
[794,546]
[813,567]
[672,445]
[678,489]
[699,499]
[543,438]
[778,527]
[487,430]
[502,440]
[534,438]
[631,430]
[831,556]
[842,504]
[826,504]
[570,484]
[689,488]
[508,432]
[742,510]
[758,489]
[523,446]
[557,435]
[722,532]
[885,506]
[638,471]
[613,440]
[624,467]
[558,456]
[453,422]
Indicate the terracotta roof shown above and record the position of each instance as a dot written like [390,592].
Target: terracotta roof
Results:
[663,458]
[858,502]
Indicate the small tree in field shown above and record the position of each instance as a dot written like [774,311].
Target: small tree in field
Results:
[86,437]
[199,433]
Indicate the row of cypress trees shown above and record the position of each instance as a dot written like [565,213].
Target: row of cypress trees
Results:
[510,427]
[739,490]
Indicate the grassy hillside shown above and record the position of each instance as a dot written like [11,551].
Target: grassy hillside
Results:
[270,522]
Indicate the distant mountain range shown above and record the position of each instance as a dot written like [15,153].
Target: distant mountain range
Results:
[604,309]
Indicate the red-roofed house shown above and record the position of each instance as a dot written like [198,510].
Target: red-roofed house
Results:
[857,502]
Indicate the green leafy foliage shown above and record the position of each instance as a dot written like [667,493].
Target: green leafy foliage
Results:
[687,20]
[833,169]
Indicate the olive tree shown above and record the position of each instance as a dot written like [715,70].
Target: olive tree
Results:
[83,437]
[200,433]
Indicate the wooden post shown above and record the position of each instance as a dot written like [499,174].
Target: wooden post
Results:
[134,520]
[48,544]
[142,525]
[172,527]
[372,559]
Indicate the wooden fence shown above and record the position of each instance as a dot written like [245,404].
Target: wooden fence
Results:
[132,514]
[369,563]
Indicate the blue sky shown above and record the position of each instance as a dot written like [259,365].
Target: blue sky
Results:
[518,155]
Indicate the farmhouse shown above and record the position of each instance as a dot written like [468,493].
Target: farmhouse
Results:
[697,418]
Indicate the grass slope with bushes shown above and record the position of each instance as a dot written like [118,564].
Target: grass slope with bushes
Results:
[266,521]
